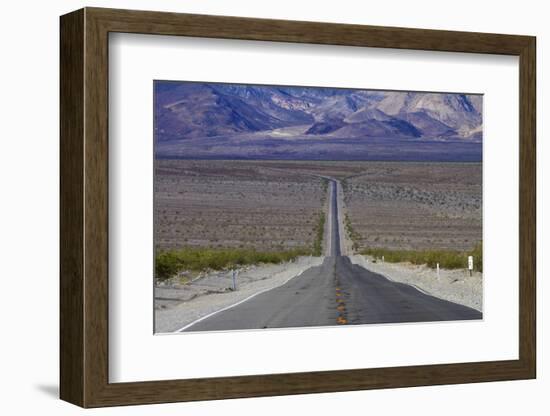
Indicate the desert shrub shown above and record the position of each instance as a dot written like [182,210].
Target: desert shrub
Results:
[353,235]
[447,259]
[169,263]
[319,233]
[477,252]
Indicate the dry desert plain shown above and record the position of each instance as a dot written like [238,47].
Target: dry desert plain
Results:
[416,206]
[275,205]
[235,204]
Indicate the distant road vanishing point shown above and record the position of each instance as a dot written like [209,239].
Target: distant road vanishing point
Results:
[337,292]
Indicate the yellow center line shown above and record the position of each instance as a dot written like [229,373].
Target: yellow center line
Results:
[341,308]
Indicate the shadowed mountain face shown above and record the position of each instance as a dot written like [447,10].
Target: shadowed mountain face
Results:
[202,120]
[189,110]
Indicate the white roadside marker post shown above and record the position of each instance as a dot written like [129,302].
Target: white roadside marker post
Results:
[437,268]
[470,264]
[382,259]
[234,275]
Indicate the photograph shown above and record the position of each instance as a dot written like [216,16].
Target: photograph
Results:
[298,206]
[290,204]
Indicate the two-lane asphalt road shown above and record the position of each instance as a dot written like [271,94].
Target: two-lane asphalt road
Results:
[334,245]
[335,293]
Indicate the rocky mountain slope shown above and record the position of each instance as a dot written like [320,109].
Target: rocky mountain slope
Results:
[192,115]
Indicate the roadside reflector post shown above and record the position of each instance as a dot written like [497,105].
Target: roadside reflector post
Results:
[234,278]
[470,264]
[437,268]
[382,259]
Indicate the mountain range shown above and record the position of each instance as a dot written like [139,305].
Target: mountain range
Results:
[211,120]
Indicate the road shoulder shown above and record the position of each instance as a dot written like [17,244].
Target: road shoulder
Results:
[452,285]
[179,305]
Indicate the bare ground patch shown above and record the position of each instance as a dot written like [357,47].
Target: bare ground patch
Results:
[235,204]
[415,206]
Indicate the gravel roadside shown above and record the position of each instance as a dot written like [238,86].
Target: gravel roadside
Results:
[177,305]
[453,285]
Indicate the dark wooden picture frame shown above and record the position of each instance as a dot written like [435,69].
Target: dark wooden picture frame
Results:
[84,207]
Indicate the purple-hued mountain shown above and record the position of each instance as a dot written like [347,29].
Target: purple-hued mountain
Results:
[210,120]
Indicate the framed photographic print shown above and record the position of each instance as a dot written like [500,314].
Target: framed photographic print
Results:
[260,207]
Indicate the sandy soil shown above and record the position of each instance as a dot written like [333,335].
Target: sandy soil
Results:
[416,206]
[177,305]
[235,204]
[452,285]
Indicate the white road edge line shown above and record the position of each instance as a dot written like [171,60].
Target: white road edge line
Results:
[397,281]
[425,292]
[239,302]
